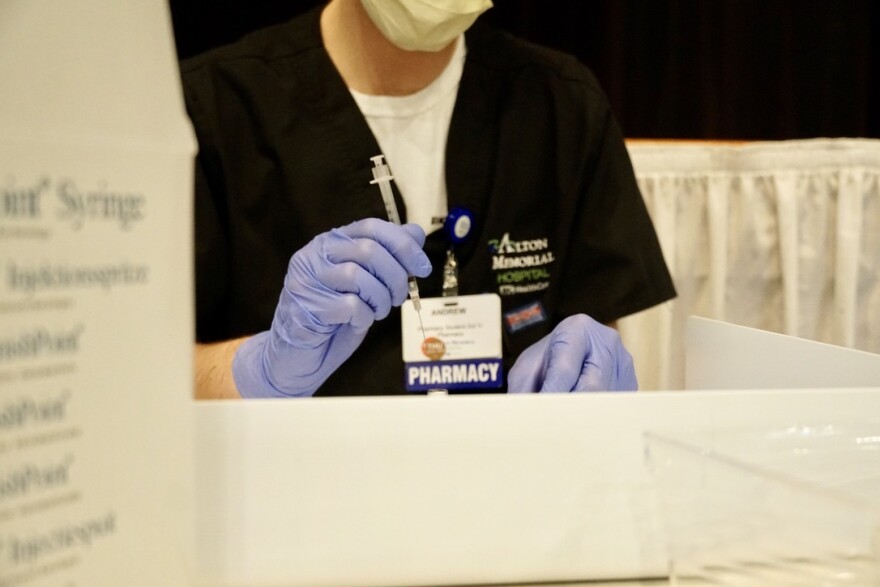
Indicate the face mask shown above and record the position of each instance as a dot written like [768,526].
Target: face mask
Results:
[424,25]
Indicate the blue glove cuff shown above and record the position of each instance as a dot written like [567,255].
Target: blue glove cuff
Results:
[249,372]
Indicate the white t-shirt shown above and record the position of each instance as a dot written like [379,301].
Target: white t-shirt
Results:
[412,131]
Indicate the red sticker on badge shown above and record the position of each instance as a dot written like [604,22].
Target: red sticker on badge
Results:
[433,348]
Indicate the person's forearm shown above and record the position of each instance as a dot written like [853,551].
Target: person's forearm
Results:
[213,370]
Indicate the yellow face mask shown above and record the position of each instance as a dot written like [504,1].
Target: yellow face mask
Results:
[424,25]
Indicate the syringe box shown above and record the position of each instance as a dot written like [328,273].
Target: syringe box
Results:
[788,505]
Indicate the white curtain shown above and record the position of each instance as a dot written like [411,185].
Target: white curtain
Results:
[782,236]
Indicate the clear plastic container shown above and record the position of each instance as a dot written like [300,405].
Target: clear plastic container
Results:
[797,505]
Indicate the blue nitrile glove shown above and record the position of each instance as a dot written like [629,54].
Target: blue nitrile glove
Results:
[579,355]
[335,287]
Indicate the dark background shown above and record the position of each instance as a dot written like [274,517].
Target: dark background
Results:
[688,69]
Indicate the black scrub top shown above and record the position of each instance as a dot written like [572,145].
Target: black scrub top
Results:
[533,152]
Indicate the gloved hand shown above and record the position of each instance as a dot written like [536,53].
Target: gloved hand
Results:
[335,287]
[579,355]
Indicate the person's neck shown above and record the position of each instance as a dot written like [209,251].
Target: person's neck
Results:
[368,62]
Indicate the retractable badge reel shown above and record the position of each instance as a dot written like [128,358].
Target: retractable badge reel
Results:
[457,227]
[461,348]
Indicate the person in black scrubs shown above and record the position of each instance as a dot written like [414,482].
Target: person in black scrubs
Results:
[519,136]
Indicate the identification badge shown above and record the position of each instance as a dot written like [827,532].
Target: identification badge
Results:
[461,346]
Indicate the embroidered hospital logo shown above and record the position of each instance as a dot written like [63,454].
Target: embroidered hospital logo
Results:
[521,266]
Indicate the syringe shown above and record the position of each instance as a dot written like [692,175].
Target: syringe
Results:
[382,176]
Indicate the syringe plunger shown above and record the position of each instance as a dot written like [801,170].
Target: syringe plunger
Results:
[382,176]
